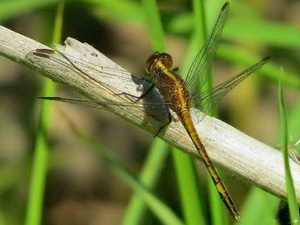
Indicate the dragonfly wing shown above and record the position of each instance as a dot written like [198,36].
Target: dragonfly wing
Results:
[210,98]
[102,105]
[95,66]
[92,58]
[158,110]
[197,115]
[90,103]
[202,64]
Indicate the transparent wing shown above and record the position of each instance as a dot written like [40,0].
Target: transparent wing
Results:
[93,68]
[110,105]
[202,64]
[159,110]
[152,104]
[210,98]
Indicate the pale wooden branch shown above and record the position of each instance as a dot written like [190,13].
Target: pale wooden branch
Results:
[229,148]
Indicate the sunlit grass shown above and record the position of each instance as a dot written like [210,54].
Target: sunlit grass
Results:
[186,177]
[149,175]
[135,211]
[143,197]
[41,151]
[291,195]
[259,207]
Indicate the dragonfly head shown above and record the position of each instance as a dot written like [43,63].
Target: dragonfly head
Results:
[156,60]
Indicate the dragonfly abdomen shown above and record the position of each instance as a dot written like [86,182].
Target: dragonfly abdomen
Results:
[187,122]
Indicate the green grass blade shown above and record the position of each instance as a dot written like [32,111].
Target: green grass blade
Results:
[266,205]
[162,211]
[259,207]
[41,152]
[39,167]
[184,164]
[192,200]
[150,173]
[201,34]
[182,160]
[155,26]
[294,121]
[200,22]
[58,23]
[186,174]
[10,9]
[158,151]
[247,58]
[215,203]
[291,195]
[188,188]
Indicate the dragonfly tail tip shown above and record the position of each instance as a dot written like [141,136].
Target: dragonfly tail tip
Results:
[225,5]
[237,218]
[267,58]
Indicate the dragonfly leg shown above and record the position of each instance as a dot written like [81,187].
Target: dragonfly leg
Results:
[138,97]
[163,126]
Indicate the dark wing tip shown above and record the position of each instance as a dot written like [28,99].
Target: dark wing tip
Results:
[50,98]
[226,5]
[267,58]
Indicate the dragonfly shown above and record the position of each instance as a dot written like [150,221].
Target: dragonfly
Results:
[177,93]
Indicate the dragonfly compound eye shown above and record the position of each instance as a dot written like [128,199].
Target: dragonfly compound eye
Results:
[166,60]
[151,62]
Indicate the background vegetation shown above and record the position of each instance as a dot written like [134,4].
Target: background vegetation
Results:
[86,182]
